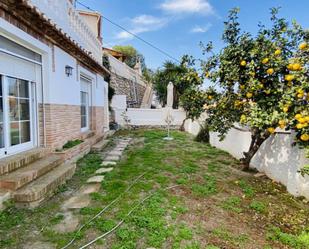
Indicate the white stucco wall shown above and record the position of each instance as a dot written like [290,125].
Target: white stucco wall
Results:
[154,117]
[144,117]
[277,158]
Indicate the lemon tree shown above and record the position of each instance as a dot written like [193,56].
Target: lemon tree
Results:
[259,81]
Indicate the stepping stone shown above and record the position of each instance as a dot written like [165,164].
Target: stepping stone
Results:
[77,202]
[68,224]
[108,163]
[39,245]
[95,179]
[112,158]
[90,188]
[115,153]
[104,170]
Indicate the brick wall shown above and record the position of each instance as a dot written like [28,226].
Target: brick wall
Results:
[97,123]
[62,123]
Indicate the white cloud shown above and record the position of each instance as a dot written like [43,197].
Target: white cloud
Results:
[141,24]
[187,6]
[201,29]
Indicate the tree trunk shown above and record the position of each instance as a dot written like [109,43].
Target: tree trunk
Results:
[182,127]
[257,139]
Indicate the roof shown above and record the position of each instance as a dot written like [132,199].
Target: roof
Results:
[31,17]
[118,55]
[89,13]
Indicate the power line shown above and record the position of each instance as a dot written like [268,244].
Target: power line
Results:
[131,33]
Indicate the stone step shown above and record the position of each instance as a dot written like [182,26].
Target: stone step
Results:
[109,133]
[34,193]
[20,160]
[100,145]
[4,197]
[87,135]
[22,176]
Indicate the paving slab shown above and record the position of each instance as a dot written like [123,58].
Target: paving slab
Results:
[104,170]
[108,163]
[95,179]
[68,224]
[77,202]
[112,158]
[90,188]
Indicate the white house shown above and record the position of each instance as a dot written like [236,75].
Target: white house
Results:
[52,90]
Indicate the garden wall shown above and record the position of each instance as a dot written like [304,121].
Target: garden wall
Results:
[144,117]
[277,158]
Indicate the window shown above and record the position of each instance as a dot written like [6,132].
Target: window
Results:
[84,109]
[19,111]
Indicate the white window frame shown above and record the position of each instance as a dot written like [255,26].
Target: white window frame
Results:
[87,88]
[13,149]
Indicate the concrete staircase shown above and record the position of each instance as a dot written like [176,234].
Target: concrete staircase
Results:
[32,176]
[147,99]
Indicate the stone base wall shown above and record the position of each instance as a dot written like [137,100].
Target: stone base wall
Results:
[123,86]
[63,123]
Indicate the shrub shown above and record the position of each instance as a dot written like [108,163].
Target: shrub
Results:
[203,135]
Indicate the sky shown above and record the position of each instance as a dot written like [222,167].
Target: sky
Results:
[178,26]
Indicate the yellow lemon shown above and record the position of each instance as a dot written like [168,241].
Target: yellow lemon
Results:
[301,91]
[307,118]
[210,97]
[249,95]
[296,67]
[281,122]
[299,126]
[303,46]
[289,77]
[298,116]
[290,67]
[278,52]
[285,109]
[300,95]
[242,87]
[265,61]
[243,63]
[243,118]
[302,120]
[270,71]
[271,130]
[304,137]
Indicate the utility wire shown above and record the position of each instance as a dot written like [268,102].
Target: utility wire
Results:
[131,33]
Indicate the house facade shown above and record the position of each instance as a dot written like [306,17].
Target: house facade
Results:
[52,90]
[52,78]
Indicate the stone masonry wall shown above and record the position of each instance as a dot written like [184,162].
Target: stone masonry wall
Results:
[125,86]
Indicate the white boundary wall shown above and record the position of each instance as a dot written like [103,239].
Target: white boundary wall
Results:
[277,158]
[145,117]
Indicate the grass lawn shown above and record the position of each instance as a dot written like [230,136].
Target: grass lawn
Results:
[213,206]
